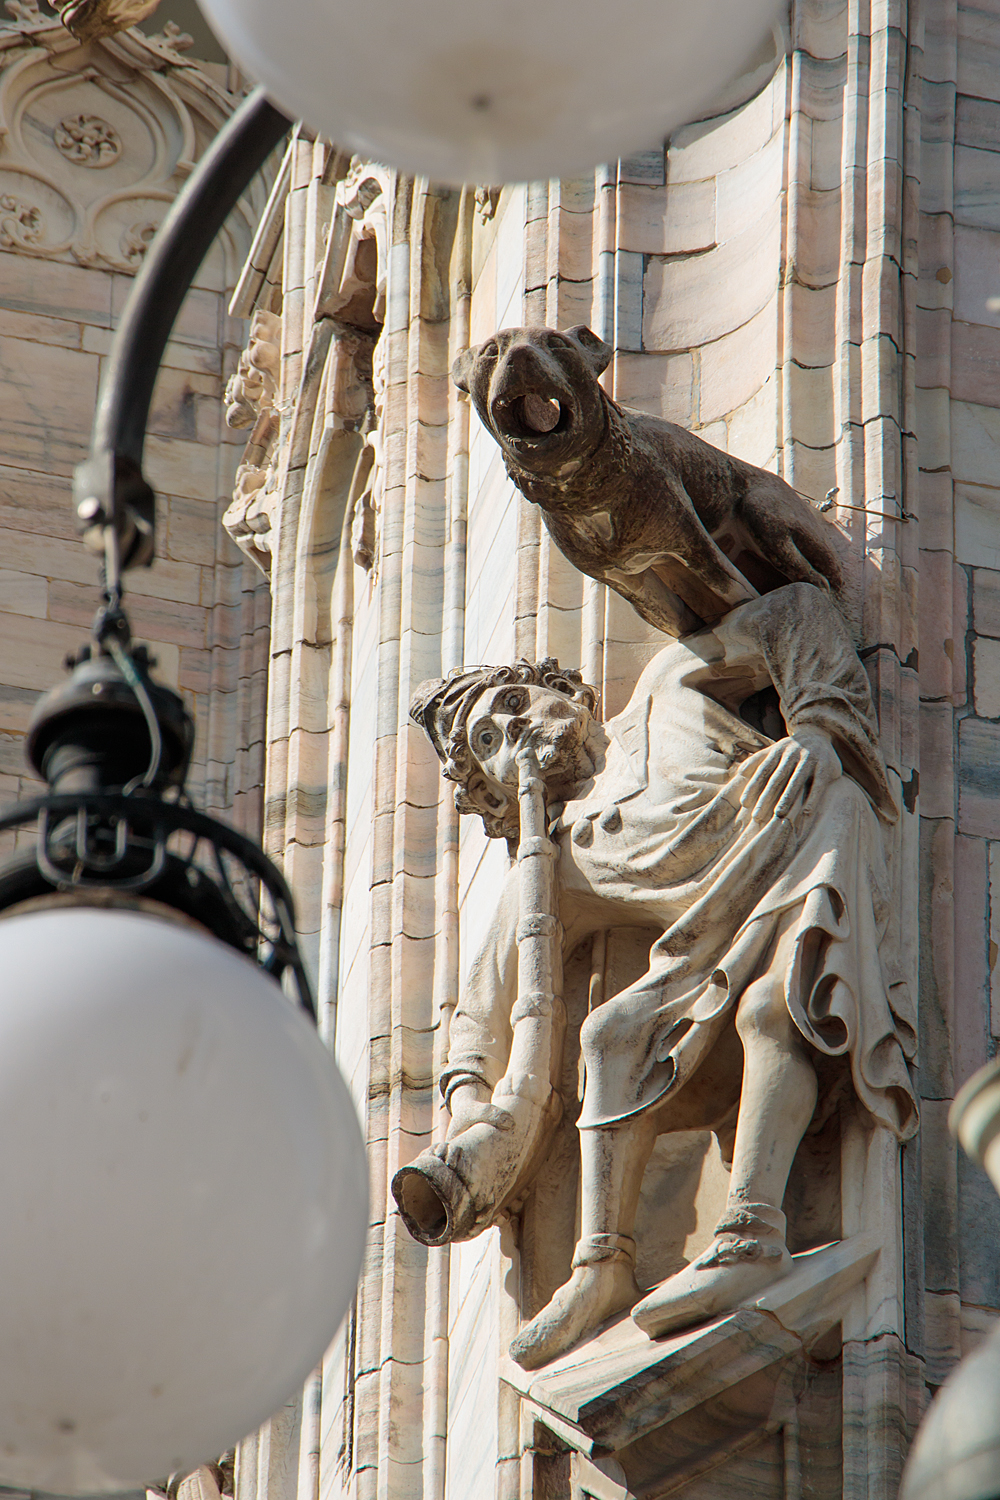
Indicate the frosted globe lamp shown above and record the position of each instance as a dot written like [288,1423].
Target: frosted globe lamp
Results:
[494,91]
[184,1191]
[183,1176]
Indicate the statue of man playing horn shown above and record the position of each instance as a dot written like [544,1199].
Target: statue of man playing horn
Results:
[760,860]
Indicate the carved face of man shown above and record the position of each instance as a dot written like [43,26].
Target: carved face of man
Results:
[505,718]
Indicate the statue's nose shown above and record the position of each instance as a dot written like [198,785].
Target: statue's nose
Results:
[515,729]
[519,365]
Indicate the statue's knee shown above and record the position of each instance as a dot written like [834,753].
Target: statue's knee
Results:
[762,1013]
[594,1031]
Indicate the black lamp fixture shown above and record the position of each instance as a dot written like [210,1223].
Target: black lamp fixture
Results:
[184,1178]
[113,746]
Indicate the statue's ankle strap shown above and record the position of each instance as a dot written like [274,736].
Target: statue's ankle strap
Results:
[749,1219]
[597,1249]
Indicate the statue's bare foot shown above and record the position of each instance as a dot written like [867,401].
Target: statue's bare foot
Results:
[592,1295]
[746,1256]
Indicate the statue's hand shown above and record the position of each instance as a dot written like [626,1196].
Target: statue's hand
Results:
[789,778]
[471,1103]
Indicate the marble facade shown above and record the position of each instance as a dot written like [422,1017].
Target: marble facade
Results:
[97,138]
[806,281]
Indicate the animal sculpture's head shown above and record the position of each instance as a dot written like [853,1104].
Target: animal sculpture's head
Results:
[537,392]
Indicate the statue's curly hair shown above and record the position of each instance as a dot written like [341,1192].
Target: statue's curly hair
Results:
[442,706]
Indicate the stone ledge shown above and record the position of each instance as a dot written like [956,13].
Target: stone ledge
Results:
[742,1371]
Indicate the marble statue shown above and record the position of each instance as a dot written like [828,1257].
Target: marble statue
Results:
[680,529]
[758,856]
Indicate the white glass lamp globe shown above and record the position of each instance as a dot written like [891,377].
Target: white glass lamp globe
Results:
[184,1196]
[493,91]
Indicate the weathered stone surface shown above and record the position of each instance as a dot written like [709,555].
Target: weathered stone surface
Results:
[977,509]
[671,1411]
[979,777]
[765,293]
[986,677]
[657,488]
[679,307]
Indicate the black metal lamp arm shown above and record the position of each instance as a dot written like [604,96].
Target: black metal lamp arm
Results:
[114,505]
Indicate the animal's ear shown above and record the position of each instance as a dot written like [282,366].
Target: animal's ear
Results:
[461,370]
[596,351]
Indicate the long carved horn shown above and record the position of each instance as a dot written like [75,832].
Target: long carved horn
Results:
[436,1205]
[538,1018]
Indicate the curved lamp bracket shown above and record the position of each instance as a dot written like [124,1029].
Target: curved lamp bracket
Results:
[114,505]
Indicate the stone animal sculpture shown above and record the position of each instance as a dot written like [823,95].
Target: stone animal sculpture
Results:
[680,529]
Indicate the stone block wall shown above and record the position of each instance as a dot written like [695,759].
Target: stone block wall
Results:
[807,281]
[958,349]
[204,613]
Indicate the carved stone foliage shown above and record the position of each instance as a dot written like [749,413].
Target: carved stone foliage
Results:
[251,392]
[250,403]
[95,140]
[88,141]
[249,517]
[350,304]
[21,224]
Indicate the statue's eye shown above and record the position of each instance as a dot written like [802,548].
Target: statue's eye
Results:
[490,349]
[514,702]
[486,740]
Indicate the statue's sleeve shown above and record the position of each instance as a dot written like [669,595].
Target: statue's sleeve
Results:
[480,1035]
[806,651]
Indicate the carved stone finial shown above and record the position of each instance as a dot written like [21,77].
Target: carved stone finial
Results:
[88,19]
[172,39]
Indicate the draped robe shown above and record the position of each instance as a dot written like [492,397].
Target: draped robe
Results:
[657,837]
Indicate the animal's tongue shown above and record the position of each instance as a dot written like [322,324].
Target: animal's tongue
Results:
[540,413]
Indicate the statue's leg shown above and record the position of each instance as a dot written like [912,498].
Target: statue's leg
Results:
[612,1161]
[777,1101]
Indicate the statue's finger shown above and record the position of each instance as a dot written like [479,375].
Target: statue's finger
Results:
[778,781]
[761,776]
[747,767]
[796,789]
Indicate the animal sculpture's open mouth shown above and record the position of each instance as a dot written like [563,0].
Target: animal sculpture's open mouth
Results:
[532,416]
